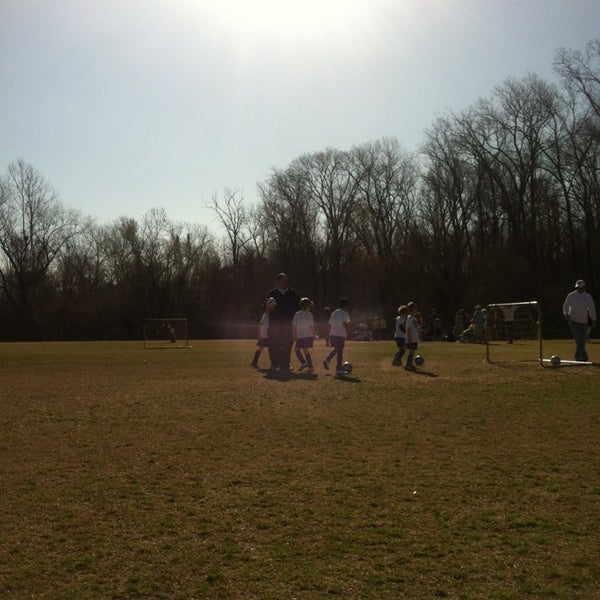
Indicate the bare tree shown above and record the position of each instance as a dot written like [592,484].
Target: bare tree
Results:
[581,72]
[384,218]
[387,181]
[292,218]
[257,234]
[79,280]
[233,216]
[157,268]
[34,229]
[574,155]
[330,183]
[449,194]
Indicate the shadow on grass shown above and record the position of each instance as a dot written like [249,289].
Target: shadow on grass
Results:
[425,374]
[288,375]
[294,375]
[347,378]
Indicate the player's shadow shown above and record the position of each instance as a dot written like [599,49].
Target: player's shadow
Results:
[426,373]
[288,375]
[346,378]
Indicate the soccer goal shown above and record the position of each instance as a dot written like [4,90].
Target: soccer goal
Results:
[166,333]
[518,323]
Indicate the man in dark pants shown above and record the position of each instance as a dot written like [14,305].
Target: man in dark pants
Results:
[280,323]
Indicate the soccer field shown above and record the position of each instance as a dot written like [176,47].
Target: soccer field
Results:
[133,473]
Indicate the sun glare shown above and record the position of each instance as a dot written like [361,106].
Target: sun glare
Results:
[286,17]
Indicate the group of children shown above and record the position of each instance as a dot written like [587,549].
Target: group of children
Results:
[303,334]
[406,335]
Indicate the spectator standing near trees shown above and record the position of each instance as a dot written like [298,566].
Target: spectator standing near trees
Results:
[280,323]
[577,307]
[459,323]
[479,324]
[324,325]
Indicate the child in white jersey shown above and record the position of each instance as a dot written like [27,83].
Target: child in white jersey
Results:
[303,332]
[338,333]
[412,334]
[263,336]
[400,335]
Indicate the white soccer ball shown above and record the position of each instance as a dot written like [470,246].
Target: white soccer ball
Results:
[419,360]
[270,304]
[555,361]
[347,367]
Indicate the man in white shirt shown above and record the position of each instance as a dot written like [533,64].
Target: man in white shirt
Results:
[576,308]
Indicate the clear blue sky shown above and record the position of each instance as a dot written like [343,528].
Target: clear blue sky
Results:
[129,105]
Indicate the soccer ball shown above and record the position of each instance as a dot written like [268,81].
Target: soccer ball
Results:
[555,361]
[270,304]
[347,368]
[419,360]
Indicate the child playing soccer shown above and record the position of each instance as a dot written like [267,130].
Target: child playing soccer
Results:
[338,333]
[303,331]
[400,335]
[412,334]
[263,336]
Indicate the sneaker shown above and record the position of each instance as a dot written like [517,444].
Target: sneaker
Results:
[410,368]
[253,366]
[326,364]
[340,372]
[303,366]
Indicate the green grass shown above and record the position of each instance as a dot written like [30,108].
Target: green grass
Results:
[132,473]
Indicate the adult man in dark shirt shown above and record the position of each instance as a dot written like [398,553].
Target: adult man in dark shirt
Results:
[280,323]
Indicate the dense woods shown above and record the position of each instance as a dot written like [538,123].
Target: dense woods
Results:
[501,203]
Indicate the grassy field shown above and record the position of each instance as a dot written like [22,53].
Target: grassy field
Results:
[132,473]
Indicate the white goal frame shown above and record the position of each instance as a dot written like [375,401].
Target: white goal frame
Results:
[166,333]
[516,309]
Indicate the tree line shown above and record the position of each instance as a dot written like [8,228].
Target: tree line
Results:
[500,204]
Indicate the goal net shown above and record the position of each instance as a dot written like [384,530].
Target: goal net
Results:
[517,323]
[166,333]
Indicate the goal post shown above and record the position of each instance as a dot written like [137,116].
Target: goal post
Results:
[166,333]
[514,322]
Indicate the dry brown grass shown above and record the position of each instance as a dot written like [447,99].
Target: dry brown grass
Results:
[129,473]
